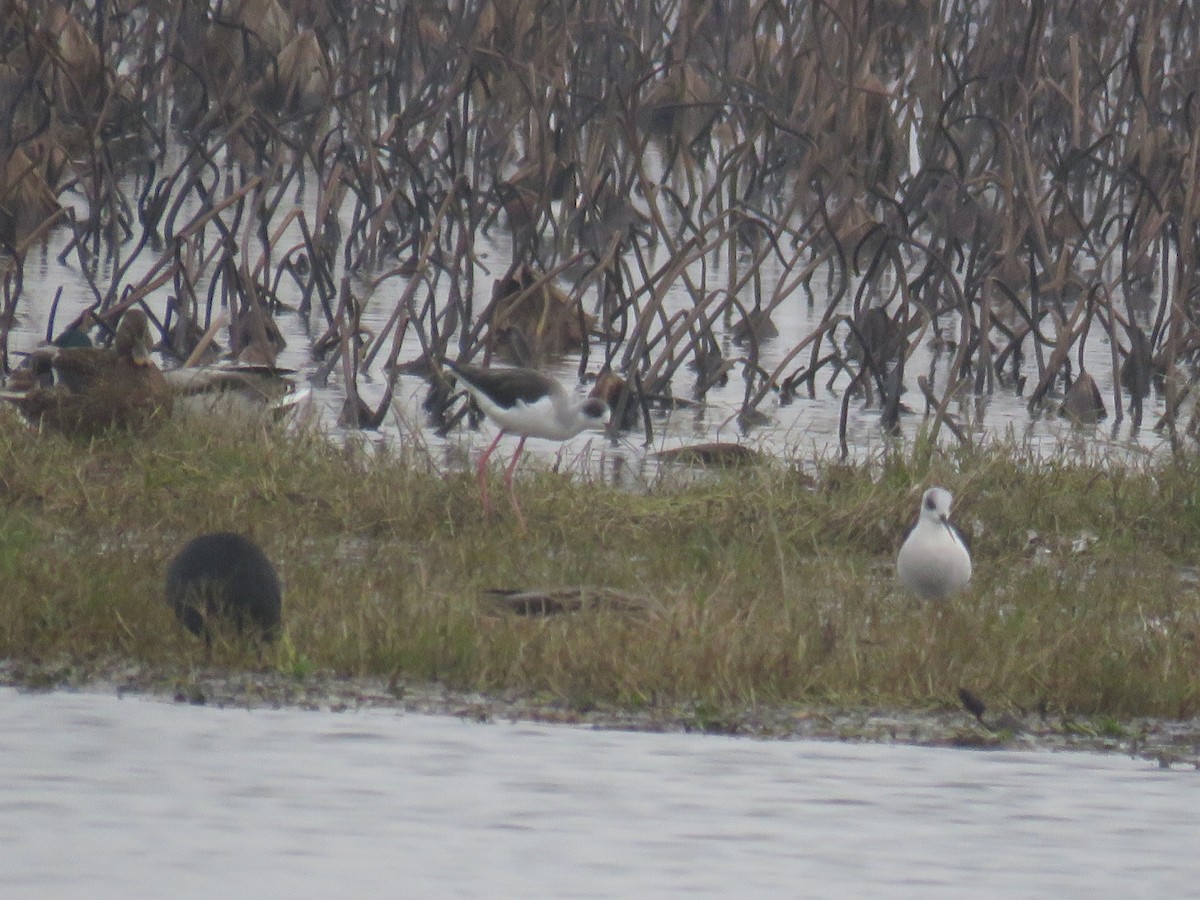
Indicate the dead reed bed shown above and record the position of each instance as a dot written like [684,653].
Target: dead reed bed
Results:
[1010,179]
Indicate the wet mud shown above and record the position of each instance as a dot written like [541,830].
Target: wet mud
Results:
[1172,743]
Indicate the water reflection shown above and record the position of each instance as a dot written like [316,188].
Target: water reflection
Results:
[136,797]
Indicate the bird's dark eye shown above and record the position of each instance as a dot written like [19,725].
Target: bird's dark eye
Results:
[930,503]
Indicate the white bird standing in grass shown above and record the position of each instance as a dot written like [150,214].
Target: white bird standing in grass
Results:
[934,562]
[530,404]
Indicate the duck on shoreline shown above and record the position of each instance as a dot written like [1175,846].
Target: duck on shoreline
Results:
[83,391]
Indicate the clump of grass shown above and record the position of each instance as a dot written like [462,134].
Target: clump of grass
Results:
[766,585]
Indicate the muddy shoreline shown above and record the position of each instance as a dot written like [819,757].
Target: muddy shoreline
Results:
[1171,743]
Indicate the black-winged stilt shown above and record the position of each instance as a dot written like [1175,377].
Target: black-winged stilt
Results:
[527,403]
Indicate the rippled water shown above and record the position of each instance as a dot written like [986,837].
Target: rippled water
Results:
[107,797]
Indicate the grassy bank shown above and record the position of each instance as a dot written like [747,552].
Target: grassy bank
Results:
[764,585]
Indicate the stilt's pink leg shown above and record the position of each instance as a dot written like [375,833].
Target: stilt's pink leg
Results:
[508,481]
[482,471]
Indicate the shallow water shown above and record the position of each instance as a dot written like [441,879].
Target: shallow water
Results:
[101,796]
[806,426]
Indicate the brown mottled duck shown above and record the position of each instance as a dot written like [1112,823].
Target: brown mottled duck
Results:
[83,391]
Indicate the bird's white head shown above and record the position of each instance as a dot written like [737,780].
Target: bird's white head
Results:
[935,505]
[595,413]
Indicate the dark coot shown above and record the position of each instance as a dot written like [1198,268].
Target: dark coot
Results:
[224,581]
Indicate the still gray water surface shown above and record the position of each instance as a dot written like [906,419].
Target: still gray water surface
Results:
[108,797]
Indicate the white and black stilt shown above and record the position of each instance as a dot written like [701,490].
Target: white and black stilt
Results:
[527,403]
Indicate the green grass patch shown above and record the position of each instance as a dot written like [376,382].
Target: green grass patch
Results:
[767,585]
